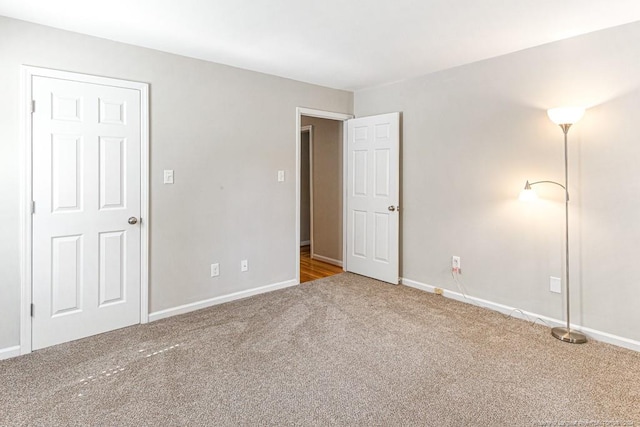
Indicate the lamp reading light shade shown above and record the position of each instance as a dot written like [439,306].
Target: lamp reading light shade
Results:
[528,194]
[565,115]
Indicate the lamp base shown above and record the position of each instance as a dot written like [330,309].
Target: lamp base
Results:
[569,336]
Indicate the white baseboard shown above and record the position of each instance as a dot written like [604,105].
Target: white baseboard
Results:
[9,352]
[186,308]
[526,315]
[305,243]
[326,259]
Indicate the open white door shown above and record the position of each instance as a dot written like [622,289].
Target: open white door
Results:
[86,144]
[373,194]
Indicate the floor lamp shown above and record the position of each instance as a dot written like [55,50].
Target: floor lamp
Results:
[564,117]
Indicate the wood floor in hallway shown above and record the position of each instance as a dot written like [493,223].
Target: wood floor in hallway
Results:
[312,269]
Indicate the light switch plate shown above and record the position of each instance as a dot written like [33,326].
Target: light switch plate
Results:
[244,265]
[280,176]
[168,176]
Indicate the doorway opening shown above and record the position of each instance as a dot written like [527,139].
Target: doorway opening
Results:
[320,193]
[370,202]
[320,198]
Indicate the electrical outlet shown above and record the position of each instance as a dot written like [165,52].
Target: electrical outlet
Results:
[244,265]
[215,270]
[455,264]
[280,176]
[438,291]
[555,285]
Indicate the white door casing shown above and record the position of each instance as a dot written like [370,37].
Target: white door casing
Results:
[87,265]
[373,191]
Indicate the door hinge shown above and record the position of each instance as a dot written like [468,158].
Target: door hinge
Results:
[33,106]
[33,207]
[32,309]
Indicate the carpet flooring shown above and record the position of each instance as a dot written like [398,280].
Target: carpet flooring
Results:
[344,350]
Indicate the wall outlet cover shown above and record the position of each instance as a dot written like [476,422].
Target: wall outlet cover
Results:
[215,270]
[455,262]
[555,285]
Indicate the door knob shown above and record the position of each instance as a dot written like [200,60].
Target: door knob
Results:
[133,220]
[392,208]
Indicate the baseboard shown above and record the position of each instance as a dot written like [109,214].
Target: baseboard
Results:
[527,315]
[9,352]
[305,243]
[186,308]
[327,260]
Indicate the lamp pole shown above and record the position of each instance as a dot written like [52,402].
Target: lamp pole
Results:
[566,334]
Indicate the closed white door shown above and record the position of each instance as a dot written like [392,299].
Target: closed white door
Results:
[86,221]
[373,191]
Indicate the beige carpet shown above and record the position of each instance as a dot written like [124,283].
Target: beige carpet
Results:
[344,350]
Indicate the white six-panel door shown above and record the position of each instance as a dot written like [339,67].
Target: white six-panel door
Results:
[86,186]
[373,196]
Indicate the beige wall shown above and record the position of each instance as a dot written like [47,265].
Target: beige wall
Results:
[225,131]
[305,196]
[327,187]
[474,134]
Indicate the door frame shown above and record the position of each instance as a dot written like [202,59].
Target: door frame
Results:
[309,129]
[26,188]
[342,117]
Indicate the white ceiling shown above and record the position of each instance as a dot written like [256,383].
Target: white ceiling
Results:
[345,44]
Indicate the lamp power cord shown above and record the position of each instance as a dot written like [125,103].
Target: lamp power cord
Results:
[455,274]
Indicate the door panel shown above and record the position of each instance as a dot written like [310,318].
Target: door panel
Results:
[372,188]
[65,165]
[86,184]
[359,173]
[66,275]
[381,237]
[112,266]
[381,173]
[359,247]
[112,168]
